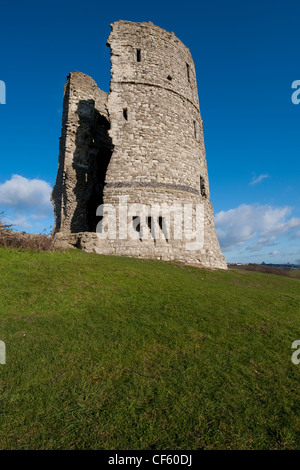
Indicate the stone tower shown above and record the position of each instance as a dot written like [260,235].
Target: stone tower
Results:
[142,143]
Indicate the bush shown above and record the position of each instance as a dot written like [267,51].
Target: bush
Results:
[28,241]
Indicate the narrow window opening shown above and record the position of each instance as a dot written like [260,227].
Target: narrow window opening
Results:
[188,72]
[125,114]
[161,223]
[149,222]
[136,222]
[202,187]
[138,55]
[169,78]
[195,129]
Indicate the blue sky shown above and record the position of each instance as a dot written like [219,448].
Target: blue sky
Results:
[246,56]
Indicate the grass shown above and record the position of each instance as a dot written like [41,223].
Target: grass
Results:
[115,353]
[295,273]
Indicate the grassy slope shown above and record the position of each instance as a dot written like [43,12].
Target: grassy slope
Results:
[116,353]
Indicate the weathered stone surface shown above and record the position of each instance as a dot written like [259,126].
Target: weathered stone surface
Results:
[85,150]
[143,140]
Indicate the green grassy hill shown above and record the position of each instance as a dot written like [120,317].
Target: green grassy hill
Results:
[117,353]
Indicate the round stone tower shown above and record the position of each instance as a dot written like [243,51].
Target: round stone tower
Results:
[157,134]
[157,157]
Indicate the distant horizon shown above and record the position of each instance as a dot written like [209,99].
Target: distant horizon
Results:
[247,73]
[267,264]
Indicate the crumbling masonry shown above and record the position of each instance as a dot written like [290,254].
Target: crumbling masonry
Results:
[143,140]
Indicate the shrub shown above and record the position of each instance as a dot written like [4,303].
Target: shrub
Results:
[29,241]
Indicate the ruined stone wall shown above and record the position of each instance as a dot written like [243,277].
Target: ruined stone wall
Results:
[84,153]
[156,141]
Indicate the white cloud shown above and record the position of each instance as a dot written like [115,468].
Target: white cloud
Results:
[259,178]
[25,202]
[21,192]
[259,224]
[274,252]
[261,243]
[284,226]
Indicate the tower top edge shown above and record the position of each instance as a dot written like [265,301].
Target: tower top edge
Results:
[76,77]
[150,25]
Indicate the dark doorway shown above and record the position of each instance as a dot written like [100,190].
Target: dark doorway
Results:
[91,158]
